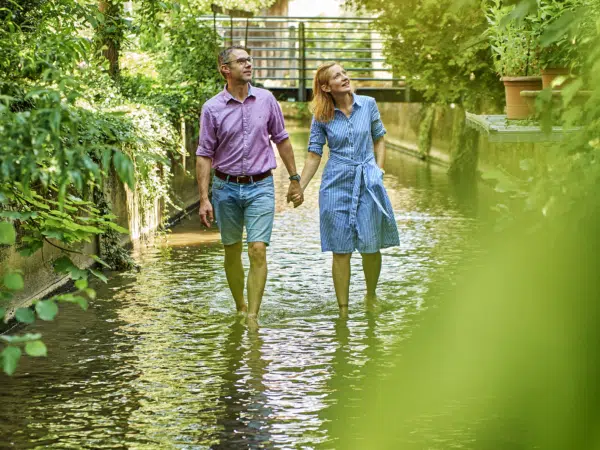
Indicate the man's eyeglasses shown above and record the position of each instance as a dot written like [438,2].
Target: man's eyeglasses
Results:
[241,61]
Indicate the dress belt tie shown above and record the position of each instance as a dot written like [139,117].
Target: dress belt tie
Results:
[361,172]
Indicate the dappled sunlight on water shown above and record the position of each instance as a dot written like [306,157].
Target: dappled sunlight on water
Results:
[160,360]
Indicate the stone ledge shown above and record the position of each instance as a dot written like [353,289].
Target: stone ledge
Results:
[411,148]
[498,129]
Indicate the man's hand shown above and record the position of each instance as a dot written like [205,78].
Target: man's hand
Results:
[295,194]
[206,213]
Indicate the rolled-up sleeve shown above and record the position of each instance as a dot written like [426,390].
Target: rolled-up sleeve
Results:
[207,143]
[317,138]
[276,124]
[377,128]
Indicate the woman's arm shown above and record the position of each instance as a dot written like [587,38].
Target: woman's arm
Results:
[316,141]
[379,148]
[310,168]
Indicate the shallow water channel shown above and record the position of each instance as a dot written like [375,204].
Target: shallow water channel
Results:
[160,360]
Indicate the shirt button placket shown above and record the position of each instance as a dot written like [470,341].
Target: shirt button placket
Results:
[245,128]
[351,135]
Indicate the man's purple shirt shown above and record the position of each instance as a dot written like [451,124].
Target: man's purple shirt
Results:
[236,135]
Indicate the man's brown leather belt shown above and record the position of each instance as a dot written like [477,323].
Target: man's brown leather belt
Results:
[242,179]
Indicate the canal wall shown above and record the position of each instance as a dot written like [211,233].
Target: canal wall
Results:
[40,279]
[404,121]
[502,147]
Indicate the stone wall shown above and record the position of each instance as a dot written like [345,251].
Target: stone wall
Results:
[505,150]
[402,122]
[40,279]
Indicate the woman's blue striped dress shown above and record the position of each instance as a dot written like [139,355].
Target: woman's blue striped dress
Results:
[355,211]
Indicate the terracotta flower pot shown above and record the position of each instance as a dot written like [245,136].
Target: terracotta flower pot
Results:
[550,73]
[516,106]
[529,98]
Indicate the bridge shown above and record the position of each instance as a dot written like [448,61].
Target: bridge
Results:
[288,50]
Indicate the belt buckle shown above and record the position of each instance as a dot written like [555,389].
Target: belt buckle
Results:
[240,177]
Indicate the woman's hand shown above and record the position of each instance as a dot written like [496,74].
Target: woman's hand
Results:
[295,194]
[297,199]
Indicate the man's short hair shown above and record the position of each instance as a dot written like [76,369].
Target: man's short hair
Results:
[225,55]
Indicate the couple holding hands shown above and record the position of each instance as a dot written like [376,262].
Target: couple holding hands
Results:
[236,129]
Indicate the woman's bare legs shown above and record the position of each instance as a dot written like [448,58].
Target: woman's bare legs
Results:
[372,268]
[340,271]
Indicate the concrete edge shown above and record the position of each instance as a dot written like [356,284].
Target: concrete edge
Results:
[409,148]
[65,283]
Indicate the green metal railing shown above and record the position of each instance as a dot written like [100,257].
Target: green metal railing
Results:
[288,50]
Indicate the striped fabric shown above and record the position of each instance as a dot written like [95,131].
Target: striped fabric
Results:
[355,211]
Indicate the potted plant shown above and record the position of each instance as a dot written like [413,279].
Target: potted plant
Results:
[516,59]
[558,56]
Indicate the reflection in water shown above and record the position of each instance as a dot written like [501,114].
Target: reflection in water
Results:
[357,354]
[340,367]
[161,361]
[245,420]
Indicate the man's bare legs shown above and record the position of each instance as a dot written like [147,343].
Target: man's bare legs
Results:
[235,274]
[340,271]
[257,276]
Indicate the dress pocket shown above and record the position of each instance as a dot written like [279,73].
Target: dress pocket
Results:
[374,176]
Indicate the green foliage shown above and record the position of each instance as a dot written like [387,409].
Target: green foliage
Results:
[531,35]
[36,348]
[438,47]
[13,281]
[563,27]
[185,74]
[32,343]
[566,186]
[513,42]
[25,315]
[10,358]
[65,127]
[7,233]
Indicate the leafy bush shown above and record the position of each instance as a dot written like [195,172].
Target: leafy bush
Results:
[513,43]
[516,30]
[437,45]
[64,127]
[569,44]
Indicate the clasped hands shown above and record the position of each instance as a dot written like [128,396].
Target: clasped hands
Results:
[295,194]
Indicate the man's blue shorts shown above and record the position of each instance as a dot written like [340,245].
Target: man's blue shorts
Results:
[236,205]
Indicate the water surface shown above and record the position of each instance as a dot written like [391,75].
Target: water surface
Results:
[160,360]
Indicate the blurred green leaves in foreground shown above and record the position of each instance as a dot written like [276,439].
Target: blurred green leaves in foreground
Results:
[509,358]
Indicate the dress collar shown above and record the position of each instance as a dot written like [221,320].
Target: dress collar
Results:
[355,102]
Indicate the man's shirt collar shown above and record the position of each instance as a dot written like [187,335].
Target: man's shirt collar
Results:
[229,97]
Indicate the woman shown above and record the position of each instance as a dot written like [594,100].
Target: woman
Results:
[355,211]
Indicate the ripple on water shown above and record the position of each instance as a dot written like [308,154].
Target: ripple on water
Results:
[160,361]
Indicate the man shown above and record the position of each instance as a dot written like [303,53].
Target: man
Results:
[236,127]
